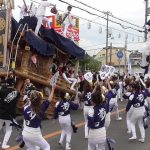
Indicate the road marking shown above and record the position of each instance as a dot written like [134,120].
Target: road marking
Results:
[56,133]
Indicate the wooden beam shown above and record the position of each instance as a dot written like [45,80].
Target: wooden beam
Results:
[3,74]
[45,82]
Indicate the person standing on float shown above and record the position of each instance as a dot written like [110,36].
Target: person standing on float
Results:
[40,14]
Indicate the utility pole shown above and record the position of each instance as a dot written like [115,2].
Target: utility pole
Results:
[125,51]
[146,14]
[107,13]
[110,53]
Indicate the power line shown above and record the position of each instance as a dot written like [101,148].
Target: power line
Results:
[105,25]
[94,49]
[125,27]
[109,27]
[97,22]
[108,14]
[112,43]
[94,45]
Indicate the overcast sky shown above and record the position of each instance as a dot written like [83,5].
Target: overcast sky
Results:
[91,40]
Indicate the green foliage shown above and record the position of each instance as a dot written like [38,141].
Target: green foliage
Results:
[89,63]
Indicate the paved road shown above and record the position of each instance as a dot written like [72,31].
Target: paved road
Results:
[117,131]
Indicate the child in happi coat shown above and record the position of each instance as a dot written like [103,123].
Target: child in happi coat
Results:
[62,112]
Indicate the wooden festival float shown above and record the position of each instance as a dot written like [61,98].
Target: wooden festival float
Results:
[31,56]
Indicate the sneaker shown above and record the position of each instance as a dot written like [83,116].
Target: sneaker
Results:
[142,140]
[74,128]
[118,119]
[5,146]
[60,144]
[128,132]
[68,146]
[132,138]
[86,137]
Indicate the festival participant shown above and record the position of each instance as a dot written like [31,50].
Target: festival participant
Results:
[33,112]
[70,80]
[32,10]
[112,98]
[62,112]
[23,11]
[28,87]
[96,121]
[87,106]
[120,90]
[26,10]
[96,78]
[137,100]
[108,96]
[8,98]
[129,113]
[146,67]
[147,92]
[40,14]
[67,20]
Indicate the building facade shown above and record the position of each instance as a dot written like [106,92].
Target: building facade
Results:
[126,64]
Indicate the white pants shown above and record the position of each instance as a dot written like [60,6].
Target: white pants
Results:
[65,29]
[120,90]
[114,105]
[71,81]
[74,81]
[97,139]
[65,124]
[40,20]
[147,102]
[137,116]
[128,118]
[96,144]
[85,113]
[8,130]
[107,120]
[33,140]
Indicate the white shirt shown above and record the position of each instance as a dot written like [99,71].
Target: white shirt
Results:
[120,84]
[42,8]
[23,13]
[68,19]
[33,10]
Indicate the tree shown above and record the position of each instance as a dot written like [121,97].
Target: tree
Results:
[89,63]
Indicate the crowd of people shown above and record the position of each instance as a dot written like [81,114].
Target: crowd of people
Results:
[99,99]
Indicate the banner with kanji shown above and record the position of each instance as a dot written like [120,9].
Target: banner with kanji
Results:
[72,31]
